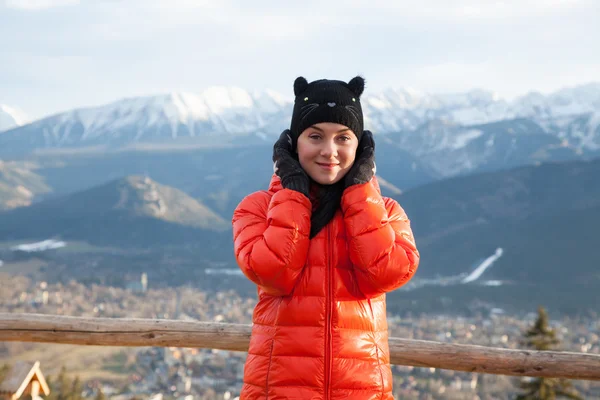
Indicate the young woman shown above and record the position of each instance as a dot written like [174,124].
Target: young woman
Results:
[323,247]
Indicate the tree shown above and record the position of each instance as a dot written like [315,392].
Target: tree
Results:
[76,389]
[100,395]
[540,336]
[3,371]
[64,389]
[58,386]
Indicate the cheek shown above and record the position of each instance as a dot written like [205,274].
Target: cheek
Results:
[304,153]
[349,155]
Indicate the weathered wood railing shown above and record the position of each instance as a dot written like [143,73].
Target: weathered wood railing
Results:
[236,337]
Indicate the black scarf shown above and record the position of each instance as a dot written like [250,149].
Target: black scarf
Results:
[326,202]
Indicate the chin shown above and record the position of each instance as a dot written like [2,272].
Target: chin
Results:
[327,179]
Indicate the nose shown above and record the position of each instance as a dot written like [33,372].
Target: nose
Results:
[329,149]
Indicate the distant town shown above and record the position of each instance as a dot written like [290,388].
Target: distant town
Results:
[188,373]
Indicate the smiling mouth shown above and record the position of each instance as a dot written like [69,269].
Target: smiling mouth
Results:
[327,165]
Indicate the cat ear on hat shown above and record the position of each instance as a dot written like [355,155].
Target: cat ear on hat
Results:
[300,85]
[357,85]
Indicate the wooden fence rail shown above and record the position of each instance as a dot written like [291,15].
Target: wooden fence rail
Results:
[236,337]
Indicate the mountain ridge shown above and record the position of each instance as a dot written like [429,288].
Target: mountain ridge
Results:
[134,208]
[540,221]
[11,117]
[522,210]
[233,111]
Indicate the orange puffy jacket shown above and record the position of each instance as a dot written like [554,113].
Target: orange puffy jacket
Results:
[319,328]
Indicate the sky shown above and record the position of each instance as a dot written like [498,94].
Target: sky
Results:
[57,55]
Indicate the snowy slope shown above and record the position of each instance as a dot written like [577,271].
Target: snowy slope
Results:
[11,117]
[215,112]
[571,115]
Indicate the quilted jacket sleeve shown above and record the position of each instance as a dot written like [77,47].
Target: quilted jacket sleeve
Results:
[271,238]
[382,247]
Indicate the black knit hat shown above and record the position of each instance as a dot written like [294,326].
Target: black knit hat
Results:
[327,101]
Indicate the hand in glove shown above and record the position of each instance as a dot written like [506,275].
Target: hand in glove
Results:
[287,167]
[364,165]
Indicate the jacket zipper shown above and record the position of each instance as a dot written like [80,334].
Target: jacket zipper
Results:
[376,347]
[329,302]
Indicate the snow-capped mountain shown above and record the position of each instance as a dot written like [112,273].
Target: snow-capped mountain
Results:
[401,110]
[11,117]
[218,111]
[421,123]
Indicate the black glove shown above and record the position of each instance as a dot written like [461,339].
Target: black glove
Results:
[287,167]
[364,165]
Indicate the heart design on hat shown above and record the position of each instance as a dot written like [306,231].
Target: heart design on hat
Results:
[331,104]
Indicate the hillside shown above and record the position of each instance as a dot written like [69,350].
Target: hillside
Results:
[534,226]
[19,184]
[129,211]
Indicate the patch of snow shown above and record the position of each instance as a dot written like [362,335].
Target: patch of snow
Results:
[463,138]
[469,116]
[40,246]
[11,117]
[223,271]
[493,283]
[488,262]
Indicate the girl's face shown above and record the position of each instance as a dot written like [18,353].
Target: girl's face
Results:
[326,151]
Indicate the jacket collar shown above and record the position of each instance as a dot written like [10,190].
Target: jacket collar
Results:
[275,184]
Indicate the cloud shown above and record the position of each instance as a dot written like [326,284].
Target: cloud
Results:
[192,21]
[509,79]
[117,48]
[468,9]
[34,5]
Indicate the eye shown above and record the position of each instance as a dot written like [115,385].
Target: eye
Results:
[344,138]
[306,99]
[314,136]
[353,99]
